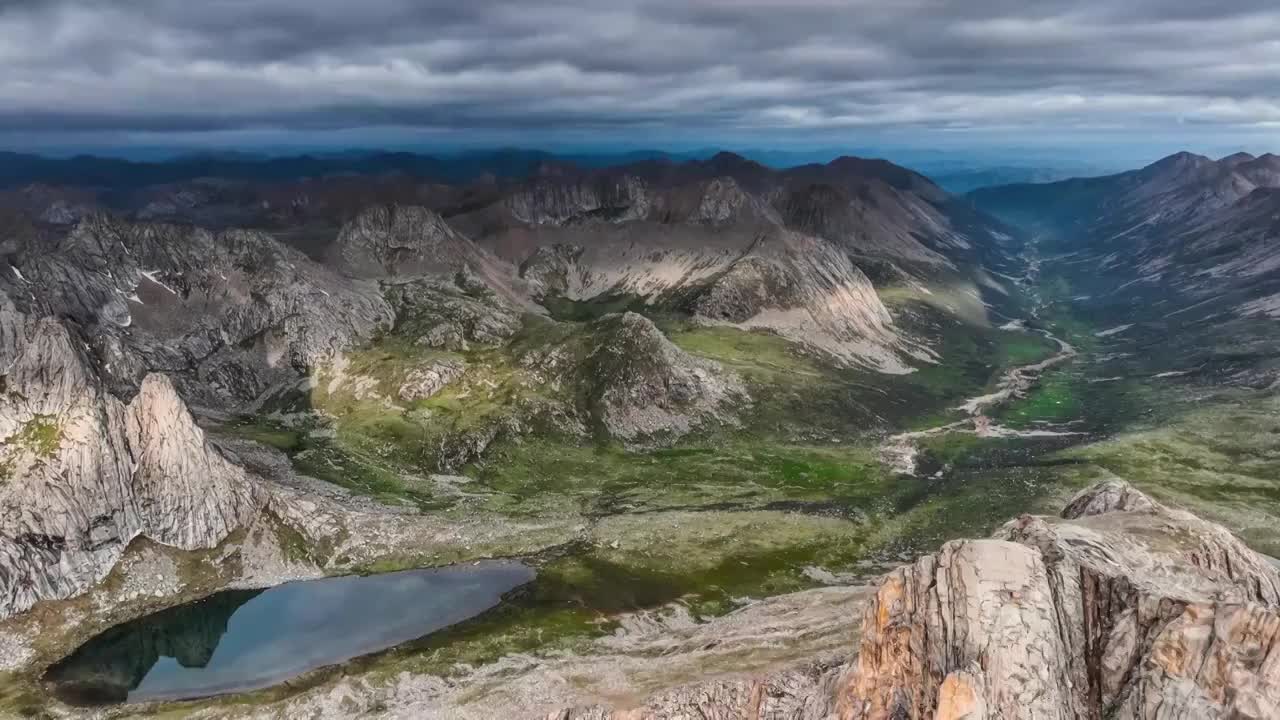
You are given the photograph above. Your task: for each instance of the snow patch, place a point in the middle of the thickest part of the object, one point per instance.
(1113, 331)
(151, 275)
(1269, 306)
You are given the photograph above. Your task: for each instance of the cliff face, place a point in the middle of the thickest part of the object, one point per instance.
(641, 387)
(1121, 608)
(1108, 612)
(84, 472)
(407, 241)
(734, 242)
(228, 314)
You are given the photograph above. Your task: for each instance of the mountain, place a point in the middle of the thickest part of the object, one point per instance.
(741, 244)
(723, 409)
(1182, 188)
(1183, 249)
(114, 323)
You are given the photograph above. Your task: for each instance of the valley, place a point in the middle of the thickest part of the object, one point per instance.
(698, 401)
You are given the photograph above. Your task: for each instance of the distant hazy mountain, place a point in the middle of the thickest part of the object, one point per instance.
(955, 173)
(1188, 246)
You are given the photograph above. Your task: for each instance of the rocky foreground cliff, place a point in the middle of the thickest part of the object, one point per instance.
(1120, 608)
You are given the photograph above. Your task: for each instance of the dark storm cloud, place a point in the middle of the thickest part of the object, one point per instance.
(176, 65)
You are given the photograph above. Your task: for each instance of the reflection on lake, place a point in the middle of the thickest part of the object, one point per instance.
(237, 641)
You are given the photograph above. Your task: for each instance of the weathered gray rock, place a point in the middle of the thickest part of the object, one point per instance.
(1129, 610)
(423, 382)
(556, 201)
(444, 315)
(1106, 497)
(809, 292)
(396, 240)
(969, 630)
(228, 315)
(408, 241)
(1145, 613)
(749, 273)
(642, 388)
(85, 473)
(549, 270)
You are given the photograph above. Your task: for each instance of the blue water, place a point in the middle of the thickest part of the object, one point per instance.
(238, 641)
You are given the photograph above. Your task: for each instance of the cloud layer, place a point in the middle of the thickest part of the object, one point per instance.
(611, 66)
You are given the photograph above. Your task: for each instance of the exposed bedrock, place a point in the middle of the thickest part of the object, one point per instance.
(84, 473)
(1122, 608)
(227, 314)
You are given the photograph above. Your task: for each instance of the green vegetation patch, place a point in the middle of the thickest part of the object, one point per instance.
(757, 354)
(265, 432)
(1055, 399)
(566, 310)
(1023, 348)
(535, 475)
(1222, 461)
(41, 436)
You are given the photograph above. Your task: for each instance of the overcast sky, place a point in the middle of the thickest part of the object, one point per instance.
(763, 71)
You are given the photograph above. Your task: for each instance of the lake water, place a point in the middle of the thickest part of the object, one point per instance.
(237, 641)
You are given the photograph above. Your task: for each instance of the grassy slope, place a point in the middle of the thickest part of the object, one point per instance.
(723, 514)
(734, 513)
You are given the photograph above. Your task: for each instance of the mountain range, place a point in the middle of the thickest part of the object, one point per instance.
(709, 400)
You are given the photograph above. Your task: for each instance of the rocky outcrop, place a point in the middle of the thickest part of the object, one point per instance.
(874, 221)
(1124, 609)
(549, 270)
(85, 473)
(642, 388)
(423, 382)
(399, 240)
(803, 288)
(403, 242)
(228, 315)
(1107, 497)
(557, 201)
(452, 315)
(809, 292)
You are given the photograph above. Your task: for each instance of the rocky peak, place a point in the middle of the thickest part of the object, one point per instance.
(395, 240)
(731, 164)
(558, 201)
(86, 473)
(1129, 609)
(1262, 172)
(894, 175)
(1179, 167)
(1236, 159)
(643, 389)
